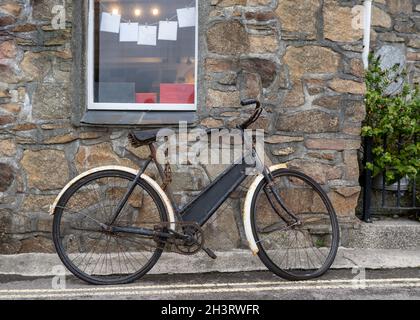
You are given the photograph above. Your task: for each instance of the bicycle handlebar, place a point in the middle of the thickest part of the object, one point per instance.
(255, 115)
(247, 102)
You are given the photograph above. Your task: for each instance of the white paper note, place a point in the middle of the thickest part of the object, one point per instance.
(186, 17)
(147, 35)
(168, 30)
(110, 22)
(129, 32)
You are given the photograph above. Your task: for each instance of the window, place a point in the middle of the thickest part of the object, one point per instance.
(142, 55)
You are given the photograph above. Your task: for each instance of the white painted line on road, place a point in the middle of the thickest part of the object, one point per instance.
(209, 288)
(206, 291)
(202, 285)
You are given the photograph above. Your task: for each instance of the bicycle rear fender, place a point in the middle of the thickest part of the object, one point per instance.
(247, 208)
(146, 178)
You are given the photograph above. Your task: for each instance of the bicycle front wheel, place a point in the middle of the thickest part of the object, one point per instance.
(98, 256)
(294, 251)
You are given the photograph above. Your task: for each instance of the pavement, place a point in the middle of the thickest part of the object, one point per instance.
(395, 284)
(42, 264)
(387, 233)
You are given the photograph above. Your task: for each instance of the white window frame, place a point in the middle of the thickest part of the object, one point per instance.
(131, 106)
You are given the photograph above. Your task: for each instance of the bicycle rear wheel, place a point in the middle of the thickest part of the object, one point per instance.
(295, 251)
(98, 256)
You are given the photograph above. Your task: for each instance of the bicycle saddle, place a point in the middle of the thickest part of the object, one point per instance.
(142, 138)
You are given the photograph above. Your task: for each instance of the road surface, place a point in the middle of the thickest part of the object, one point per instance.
(336, 284)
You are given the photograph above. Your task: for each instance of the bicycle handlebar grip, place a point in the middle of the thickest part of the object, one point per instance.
(247, 102)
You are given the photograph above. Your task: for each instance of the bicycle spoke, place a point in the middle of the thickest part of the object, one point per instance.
(118, 253)
(295, 252)
(125, 257)
(93, 249)
(137, 243)
(128, 259)
(287, 252)
(78, 212)
(307, 255)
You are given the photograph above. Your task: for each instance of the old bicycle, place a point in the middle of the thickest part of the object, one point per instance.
(111, 224)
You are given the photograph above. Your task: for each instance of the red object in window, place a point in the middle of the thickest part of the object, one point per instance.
(146, 97)
(176, 93)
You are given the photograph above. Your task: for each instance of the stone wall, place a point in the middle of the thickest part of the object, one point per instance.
(398, 37)
(301, 57)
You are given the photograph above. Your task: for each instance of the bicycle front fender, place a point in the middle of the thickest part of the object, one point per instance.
(247, 208)
(146, 178)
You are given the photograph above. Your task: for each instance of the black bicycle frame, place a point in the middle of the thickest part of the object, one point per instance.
(202, 207)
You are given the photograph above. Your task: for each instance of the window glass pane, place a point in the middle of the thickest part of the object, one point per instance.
(144, 52)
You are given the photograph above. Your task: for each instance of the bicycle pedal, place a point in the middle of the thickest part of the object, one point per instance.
(210, 253)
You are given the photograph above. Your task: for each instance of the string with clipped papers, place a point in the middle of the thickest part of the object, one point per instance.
(172, 18)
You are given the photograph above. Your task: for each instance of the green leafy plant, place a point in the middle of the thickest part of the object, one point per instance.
(394, 119)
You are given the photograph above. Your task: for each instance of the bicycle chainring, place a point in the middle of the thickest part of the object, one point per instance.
(189, 246)
(194, 243)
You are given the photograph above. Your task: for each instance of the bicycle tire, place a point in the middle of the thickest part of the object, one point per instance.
(57, 235)
(335, 233)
